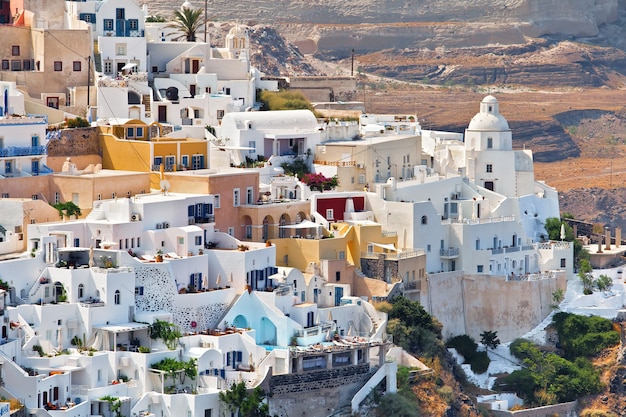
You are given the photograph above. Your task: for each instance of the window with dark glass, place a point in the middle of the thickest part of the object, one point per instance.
(76, 65)
(15, 50)
(58, 66)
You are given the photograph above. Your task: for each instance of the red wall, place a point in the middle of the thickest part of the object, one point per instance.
(338, 205)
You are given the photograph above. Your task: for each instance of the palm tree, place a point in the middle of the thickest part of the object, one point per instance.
(187, 21)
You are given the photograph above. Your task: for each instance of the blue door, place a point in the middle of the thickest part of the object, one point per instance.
(338, 295)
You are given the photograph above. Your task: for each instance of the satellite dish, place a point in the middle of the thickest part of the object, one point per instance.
(165, 186)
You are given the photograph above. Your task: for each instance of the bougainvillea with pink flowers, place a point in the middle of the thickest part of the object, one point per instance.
(318, 182)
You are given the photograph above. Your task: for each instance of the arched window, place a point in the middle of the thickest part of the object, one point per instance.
(424, 220)
(117, 296)
(81, 290)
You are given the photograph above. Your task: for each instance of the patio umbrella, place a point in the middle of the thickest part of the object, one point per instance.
(6, 102)
(205, 281)
(218, 281)
(92, 262)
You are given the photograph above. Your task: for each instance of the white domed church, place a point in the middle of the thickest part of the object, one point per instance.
(489, 157)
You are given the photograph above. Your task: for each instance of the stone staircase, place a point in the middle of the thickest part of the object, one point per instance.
(147, 102)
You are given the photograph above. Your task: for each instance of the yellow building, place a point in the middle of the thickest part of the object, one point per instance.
(363, 245)
(133, 145)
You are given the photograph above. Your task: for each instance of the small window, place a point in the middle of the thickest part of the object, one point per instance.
(427, 248)
(563, 263)
(120, 49)
(198, 240)
(76, 65)
(15, 50)
(58, 66)
(117, 297)
(479, 268)
(330, 214)
(216, 199)
(236, 201)
(489, 168)
(155, 69)
(489, 143)
(108, 24)
(424, 220)
(139, 290)
(5, 64)
(337, 276)
(220, 114)
(16, 65)
(81, 291)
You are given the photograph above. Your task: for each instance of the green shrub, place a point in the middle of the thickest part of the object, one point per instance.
(464, 345)
(284, 100)
(480, 362)
(584, 336)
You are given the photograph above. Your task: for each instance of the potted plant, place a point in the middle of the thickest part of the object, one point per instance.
(158, 256)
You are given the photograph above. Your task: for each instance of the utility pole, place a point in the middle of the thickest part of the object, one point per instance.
(205, 17)
(352, 65)
(88, 82)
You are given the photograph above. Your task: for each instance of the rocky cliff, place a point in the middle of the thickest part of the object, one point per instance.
(369, 25)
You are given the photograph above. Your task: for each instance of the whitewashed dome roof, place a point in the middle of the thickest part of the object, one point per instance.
(489, 117)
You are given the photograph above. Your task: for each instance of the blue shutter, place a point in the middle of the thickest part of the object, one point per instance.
(239, 356)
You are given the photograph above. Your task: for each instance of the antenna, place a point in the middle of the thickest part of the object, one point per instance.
(165, 186)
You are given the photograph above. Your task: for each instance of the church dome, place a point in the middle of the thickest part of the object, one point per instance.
(489, 117)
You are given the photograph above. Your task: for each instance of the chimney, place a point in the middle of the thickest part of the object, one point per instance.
(607, 232)
(618, 236)
(575, 229)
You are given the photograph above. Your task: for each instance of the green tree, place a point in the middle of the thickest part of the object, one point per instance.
(553, 227)
(186, 23)
(244, 403)
(557, 298)
(604, 282)
(67, 209)
(413, 328)
(490, 339)
(584, 273)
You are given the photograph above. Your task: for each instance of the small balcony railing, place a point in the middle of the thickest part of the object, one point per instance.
(22, 151)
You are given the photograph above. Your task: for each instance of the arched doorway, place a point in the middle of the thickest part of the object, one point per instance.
(59, 292)
(240, 322)
(284, 221)
(268, 225)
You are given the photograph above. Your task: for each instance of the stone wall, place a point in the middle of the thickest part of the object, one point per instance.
(316, 393)
(315, 380)
(562, 410)
(75, 142)
(326, 89)
(471, 304)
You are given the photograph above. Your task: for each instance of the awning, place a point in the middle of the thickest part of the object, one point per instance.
(306, 224)
(123, 327)
(388, 246)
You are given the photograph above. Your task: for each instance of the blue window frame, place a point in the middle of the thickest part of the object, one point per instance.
(108, 24)
(88, 17)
